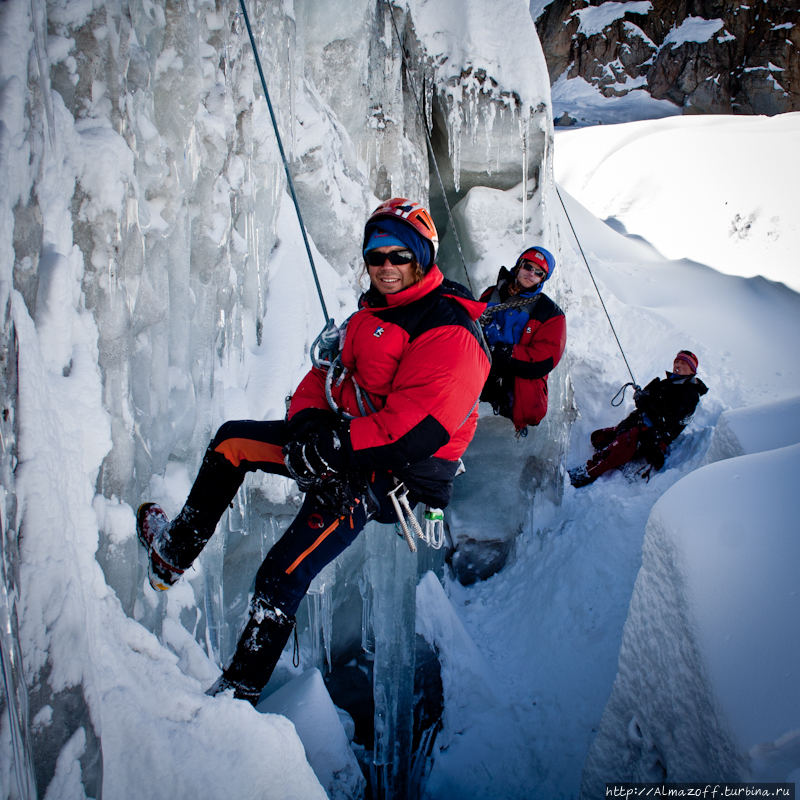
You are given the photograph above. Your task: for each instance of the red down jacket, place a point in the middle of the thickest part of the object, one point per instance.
(418, 357)
(522, 380)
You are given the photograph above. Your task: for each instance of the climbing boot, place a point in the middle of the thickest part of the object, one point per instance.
(260, 646)
(579, 476)
(213, 490)
(151, 527)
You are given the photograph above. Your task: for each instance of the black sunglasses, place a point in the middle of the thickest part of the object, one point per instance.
(537, 271)
(397, 257)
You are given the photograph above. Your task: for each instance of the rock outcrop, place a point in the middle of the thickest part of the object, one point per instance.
(705, 56)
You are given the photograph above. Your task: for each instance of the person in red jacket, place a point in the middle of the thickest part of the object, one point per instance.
(527, 333)
(400, 406)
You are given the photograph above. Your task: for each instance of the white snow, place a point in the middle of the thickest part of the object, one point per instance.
(740, 224)
(714, 614)
(693, 29)
(306, 703)
(594, 19)
(480, 38)
(587, 105)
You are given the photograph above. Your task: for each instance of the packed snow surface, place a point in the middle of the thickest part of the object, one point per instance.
(714, 615)
(743, 222)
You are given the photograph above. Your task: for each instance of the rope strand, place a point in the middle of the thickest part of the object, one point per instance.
(285, 162)
(597, 289)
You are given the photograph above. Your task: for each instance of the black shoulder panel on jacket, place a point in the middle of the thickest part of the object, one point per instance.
(545, 309)
(434, 310)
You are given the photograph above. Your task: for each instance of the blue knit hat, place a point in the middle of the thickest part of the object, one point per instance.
(379, 238)
(404, 236)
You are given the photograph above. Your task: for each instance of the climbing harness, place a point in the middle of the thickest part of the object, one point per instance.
(597, 289)
(283, 158)
(424, 121)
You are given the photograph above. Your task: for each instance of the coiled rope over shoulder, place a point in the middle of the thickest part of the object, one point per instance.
(514, 302)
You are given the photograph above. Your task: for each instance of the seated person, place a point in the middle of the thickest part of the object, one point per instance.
(663, 409)
(526, 333)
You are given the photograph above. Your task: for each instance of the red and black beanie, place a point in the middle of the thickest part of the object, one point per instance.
(689, 357)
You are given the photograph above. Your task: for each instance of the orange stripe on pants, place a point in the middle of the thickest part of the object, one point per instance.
(320, 539)
(238, 450)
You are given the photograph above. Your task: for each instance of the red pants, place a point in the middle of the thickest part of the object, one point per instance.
(615, 449)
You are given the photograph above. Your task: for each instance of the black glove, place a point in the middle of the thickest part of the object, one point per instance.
(316, 461)
(652, 448)
(639, 393)
(340, 495)
(501, 354)
(304, 424)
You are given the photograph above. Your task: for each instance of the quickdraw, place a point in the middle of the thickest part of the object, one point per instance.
(326, 354)
(405, 515)
(433, 535)
(434, 527)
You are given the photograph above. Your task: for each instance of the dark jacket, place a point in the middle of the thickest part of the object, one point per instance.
(668, 403)
(663, 410)
(419, 360)
(527, 343)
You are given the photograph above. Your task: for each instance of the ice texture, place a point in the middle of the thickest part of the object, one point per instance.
(306, 703)
(162, 287)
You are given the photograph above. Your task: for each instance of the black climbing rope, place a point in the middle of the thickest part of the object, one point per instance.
(597, 289)
(285, 162)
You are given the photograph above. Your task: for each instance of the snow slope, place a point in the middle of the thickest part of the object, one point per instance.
(743, 222)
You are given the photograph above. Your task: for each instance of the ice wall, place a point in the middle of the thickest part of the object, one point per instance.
(159, 275)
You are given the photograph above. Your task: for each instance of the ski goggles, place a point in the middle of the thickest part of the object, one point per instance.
(537, 271)
(397, 257)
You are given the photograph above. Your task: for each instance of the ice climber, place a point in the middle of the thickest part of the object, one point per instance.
(663, 409)
(402, 407)
(526, 332)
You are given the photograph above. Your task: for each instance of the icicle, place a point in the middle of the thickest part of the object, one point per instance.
(524, 127)
(39, 20)
(320, 614)
(393, 575)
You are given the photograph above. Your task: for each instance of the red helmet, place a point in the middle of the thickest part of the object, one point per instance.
(413, 214)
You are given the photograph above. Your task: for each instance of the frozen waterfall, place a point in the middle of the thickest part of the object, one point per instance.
(154, 284)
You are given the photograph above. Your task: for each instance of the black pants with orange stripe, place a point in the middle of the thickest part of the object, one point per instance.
(315, 537)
